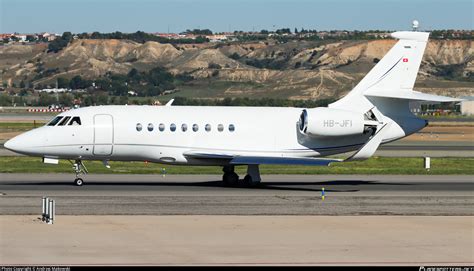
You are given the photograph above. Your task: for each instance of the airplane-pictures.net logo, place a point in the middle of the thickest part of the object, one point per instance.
(447, 268)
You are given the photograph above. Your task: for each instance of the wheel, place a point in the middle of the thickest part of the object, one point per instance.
(248, 180)
(78, 182)
(230, 178)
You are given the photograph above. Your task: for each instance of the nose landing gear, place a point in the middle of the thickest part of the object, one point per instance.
(80, 169)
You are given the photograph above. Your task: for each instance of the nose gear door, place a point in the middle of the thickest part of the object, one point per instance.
(103, 135)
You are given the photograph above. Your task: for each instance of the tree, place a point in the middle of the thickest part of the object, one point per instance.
(133, 75)
(235, 56)
(201, 39)
(214, 66)
(66, 99)
(23, 92)
(59, 43)
(67, 36)
(78, 83)
(283, 31)
(199, 31)
(123, 100)
(96, 35)
(101, 98)
(46, 99)
(30, 38)
(296, 30)
(22, 84)
(5, 100)
(63, 82)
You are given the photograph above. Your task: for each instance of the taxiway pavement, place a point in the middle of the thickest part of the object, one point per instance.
(448, 195)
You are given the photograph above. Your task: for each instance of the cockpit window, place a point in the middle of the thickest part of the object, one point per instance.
(55, 121)
(75, 121)
(64, 121)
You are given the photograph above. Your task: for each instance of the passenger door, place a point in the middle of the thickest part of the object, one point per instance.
(103, 135)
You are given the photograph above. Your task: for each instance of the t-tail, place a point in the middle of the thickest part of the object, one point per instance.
(383, 95)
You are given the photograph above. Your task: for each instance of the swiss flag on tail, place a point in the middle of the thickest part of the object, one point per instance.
(405, 59)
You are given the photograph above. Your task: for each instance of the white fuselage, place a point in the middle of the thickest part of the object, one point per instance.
(110, 133)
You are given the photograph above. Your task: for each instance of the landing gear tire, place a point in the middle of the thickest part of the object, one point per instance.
(230, 178)
(247, 180)
(79, 169)
(78, 182)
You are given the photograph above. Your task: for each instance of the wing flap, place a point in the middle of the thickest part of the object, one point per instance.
(207, 155)
(256, 160)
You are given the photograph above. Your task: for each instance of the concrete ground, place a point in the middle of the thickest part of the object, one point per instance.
(237, 240)
(21, 194)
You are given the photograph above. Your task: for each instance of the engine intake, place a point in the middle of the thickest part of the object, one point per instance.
(326, 122)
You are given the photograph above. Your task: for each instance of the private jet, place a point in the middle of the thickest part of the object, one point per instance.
(374, 112)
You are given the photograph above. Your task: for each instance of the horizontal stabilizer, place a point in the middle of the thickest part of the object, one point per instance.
(256, 160)
(411, 35)
(410, 95)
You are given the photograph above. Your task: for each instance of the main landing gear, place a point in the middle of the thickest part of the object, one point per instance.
(79, 169)
(231, 178)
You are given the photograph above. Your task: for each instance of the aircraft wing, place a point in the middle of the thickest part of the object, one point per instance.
(257, 160)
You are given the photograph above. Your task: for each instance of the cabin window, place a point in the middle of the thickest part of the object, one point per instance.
(161, 127)
(64, 121)
(173, 127)
(208, 127)
(184, 127)
(195, 127)
(150, 127)
(139, 127)
(55, 121)
(231, 127)
(75, 121)
(220, 127)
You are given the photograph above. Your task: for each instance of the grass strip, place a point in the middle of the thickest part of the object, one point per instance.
(375, 165)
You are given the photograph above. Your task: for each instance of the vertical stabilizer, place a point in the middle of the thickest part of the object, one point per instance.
(396, 71)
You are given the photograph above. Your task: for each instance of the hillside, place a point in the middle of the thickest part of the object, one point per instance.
(303, 70)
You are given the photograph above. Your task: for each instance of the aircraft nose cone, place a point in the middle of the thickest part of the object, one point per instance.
(10, 144)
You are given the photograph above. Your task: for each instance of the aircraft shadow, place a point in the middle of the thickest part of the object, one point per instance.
(284, 186)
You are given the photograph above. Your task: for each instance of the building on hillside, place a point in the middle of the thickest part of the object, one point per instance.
(217, 38)
(21, 37)
(5, 36)
(173, 36)
(54, 90)
(467, 105)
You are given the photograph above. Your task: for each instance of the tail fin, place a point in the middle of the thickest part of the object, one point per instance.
(393, 77)
(399, 67)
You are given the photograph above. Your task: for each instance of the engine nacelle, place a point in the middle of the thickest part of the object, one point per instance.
(323, 121)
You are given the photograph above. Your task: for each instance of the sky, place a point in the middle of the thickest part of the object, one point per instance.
(77, 16)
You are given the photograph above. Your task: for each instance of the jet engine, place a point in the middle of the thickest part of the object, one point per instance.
(328, 122)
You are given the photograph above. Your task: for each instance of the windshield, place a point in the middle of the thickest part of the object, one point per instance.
(55, 121)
